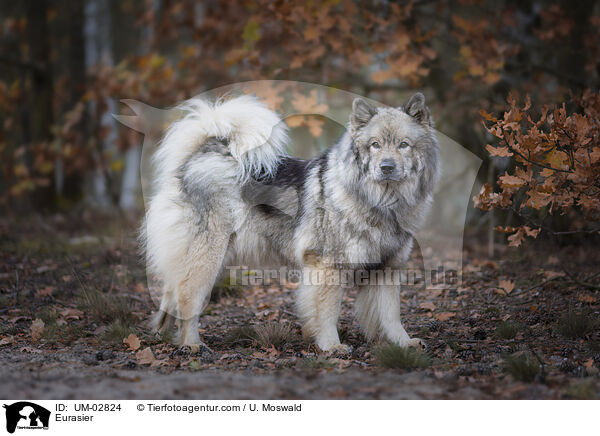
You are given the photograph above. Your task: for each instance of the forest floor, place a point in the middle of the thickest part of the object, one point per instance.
(521, 325)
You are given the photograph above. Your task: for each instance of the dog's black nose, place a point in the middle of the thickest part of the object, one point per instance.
(387, 166)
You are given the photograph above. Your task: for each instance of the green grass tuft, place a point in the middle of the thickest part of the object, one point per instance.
(581, 390)
(47, 314)
(394, 356)
(243, 336)
(507, 330)
(577, 325)
(225, 289)
(522, 367)
(117, 331)
(273, 334)
(104, 307)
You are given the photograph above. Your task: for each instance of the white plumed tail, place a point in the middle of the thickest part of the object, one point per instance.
(256, 136)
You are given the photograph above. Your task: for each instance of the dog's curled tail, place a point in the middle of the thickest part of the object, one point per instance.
(255, 135)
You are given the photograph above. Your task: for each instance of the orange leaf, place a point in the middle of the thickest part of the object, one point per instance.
(132, 342)
(444, 316)
(516, 239)
(498, 151)
(508, 181)
(37, 328)
(586, 298)
(45, 291)
(428, 305)
(71, 313)
(146, 357)
(506, 286)
(487, 116)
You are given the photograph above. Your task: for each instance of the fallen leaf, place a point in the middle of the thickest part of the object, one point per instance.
(444, 316)
(553, 274)
(486, 263)
(100, 330)
(8, 341)
(586, 298)
(139, 288)
(145, 356)
(69, 313)
(507, 286)
(588, 363)
(132, 342)
(45, 291)
(37, 328)
(428, 305)
(45, 268)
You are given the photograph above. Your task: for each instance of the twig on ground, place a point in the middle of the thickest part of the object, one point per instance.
(580, 282)
(537, 285)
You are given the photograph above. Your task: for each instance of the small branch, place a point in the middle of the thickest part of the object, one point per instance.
(523, 291)
(539, 164)
(572, 232)
(580, 282)
(549, 230)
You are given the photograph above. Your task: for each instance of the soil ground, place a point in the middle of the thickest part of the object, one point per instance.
(523, 324)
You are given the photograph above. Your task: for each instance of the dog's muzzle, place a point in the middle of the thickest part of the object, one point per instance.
(388, 171)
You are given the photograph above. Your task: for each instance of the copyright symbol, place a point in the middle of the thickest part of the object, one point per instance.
(140, 407)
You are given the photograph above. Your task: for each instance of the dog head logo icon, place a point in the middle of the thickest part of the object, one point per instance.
(26, 415)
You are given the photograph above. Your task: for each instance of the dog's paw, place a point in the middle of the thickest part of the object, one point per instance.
(417, 343)
(193, 349)
(340, 350)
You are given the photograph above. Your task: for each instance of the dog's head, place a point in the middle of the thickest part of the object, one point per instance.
(395, 145)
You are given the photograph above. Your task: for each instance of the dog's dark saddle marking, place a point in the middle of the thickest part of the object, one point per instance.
(216, 145)
(291, 172)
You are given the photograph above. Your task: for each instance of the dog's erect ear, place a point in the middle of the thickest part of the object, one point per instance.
(416, 108)
(362, 112)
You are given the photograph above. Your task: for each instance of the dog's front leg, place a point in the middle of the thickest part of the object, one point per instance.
(318, 305)
(378, 312)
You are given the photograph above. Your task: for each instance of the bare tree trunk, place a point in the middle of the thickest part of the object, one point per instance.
(72, 185)
(97, 49)
(131, 179)
(40, 92)
(130, 186)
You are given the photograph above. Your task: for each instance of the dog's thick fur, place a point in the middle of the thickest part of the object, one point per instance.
(226, 194)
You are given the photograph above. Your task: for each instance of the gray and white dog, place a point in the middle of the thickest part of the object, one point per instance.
(227, 194)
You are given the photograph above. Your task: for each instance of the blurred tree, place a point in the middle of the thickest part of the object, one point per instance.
(466, 55)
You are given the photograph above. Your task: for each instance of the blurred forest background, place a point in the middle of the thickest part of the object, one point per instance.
(514, 81)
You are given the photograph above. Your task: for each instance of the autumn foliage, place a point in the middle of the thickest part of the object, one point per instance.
(556, 167)
(59, 85)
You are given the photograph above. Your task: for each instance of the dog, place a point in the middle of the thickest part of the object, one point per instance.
(226, 193)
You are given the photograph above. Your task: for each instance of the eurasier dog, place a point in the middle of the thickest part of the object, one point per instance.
(227, 194)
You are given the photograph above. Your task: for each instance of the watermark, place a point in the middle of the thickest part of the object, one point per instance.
(25, 415)
(315, 116)
(343, 277)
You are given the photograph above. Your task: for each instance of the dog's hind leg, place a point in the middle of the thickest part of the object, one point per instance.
(377, 310)
(202, 266)
(164, 319)
(318, 305)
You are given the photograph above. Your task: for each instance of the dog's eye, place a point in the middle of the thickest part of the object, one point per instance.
(375, 145)
(403, 144)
